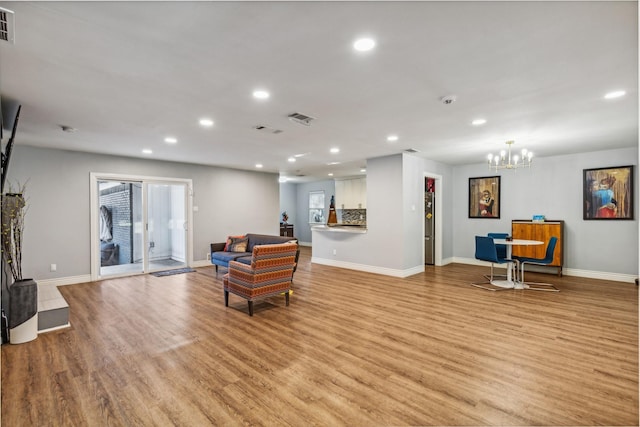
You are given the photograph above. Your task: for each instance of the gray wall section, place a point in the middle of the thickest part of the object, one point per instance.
(553, 187)
(57, 225)
(236, 202)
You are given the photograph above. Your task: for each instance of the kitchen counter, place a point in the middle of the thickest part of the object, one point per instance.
(341, 228)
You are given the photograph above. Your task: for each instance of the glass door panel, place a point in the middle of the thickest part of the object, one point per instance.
(120, 238)
(166, 219)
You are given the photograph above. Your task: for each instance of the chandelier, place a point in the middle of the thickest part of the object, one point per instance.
(507, 161)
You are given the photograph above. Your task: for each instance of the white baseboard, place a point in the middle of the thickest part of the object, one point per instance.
(369, 268)
(304, 243)
(600, 275)
(589, 274)
(201, 263)
(61, 281)
(55, 328)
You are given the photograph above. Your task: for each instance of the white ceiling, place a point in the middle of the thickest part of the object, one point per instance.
(128, 74)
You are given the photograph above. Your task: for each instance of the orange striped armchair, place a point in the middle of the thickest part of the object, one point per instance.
(270, 273)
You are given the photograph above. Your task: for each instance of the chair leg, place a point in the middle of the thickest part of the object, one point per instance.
(531, 284)
(216, 268)
(250, 307)
(286, 298)
(226, 298)
(490, 279)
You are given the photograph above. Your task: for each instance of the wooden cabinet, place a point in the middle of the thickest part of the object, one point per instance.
(543, 231)
(286, 229)
(351, 193)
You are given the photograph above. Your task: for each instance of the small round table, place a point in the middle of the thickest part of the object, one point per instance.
(510, 283)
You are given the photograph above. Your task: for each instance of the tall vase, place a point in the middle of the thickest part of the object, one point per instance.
(23, 311)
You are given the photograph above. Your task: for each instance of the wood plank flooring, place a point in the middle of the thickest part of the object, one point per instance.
(353, 348)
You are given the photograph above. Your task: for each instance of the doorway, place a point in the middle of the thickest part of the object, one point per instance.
(432, 225)
(139, 225)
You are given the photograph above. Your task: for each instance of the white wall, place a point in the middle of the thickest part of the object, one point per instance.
(57, 226)
(553, 187)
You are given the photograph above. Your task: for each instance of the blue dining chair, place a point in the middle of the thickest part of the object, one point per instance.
(500, 249)
(548, 259)
(486, 251)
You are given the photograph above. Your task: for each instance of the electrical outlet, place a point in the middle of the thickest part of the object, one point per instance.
(208, 256)
(335, 252)
(54, 267)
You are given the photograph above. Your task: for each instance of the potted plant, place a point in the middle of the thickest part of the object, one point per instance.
(23, 293)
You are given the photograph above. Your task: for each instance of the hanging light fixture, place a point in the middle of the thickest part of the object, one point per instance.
(505, 160)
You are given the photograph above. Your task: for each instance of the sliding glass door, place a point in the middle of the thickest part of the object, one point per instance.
(120, 236)
(139, 226)
(167, 231)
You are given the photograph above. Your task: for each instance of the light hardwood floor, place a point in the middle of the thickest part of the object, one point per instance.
(352, 349)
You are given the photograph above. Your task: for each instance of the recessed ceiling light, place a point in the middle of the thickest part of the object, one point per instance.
(260, 94)
(147, 151)
(300, 155)
(206, 123)
(335, 150)
(291, 159)
(330, 174)
(392, 138)
(364, 44)
(282, 179)
(478, 122)
(333, 163)
(363, 170)
(259, 165)
(615, 94)
(170, 140)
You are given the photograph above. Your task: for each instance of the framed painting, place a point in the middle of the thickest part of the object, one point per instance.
(608, 193)
(484, 197)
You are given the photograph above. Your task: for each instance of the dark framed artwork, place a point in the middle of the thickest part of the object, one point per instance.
(484, 197)
(608, 193)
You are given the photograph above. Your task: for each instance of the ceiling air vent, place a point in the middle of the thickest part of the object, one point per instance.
(300, 118)
(411, 150)
(267, 129)
(7, 32)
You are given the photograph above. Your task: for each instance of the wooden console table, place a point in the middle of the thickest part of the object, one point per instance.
(530, 230)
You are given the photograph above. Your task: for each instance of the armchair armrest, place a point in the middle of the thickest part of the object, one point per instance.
(217, 247)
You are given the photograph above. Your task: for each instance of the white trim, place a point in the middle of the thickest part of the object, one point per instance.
(589, 274)
(62, 281)
(369, 268)
(55, 328)
(304, 243)
(201, 263)
(144, 180)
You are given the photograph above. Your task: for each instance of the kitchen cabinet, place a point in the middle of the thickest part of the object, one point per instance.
(351, 193)
(543, 231)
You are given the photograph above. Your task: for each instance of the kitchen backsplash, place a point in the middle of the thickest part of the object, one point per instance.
(352, 216)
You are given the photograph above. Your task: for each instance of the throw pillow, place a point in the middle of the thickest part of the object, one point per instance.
(227, 246)
(239, 244)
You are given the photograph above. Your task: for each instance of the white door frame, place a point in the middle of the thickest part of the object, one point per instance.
(439, 218)
(94, 177)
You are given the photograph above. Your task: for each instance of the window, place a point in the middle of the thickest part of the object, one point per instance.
(316, 207)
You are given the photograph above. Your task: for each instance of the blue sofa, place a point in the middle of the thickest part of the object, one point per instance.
(221, 258)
